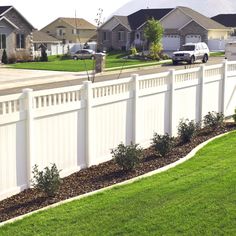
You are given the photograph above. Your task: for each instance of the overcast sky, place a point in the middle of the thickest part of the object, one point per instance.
(42, 12)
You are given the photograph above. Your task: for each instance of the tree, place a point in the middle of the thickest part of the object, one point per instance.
(4, 57)
(153, 32)
(44, 56)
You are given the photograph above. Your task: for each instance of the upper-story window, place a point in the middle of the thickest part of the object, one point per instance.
(121, 35)
(20, 41)
(2, 41)
(61, 31)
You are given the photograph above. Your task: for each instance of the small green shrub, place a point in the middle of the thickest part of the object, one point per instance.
(163, 143)
(213, 120)
(133, 51)
(4, 57)
(128, 156)
(187, 130)
(48, 180)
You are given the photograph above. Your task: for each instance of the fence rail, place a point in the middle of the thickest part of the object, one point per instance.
(77, 126)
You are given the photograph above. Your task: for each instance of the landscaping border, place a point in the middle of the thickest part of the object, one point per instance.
(151, 173)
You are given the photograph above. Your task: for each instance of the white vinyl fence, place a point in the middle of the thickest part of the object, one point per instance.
(76, 127)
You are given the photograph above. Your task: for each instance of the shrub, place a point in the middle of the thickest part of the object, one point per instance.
(234, 115)
(48, 180)
(163, 143)
(187, 129)
(128, 156)
(4, 57)
(44, 56)
(133, 51)
(213, 120)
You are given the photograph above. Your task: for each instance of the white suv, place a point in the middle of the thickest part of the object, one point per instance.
(191, 52)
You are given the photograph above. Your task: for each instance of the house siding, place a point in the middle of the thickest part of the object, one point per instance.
(69, 37)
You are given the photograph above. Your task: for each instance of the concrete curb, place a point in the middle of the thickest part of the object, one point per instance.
(162, 169)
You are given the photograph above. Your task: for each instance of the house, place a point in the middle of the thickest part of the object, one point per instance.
(45, 41)
(228, 20)
(181, 25)
(15, 34)
(71, 30)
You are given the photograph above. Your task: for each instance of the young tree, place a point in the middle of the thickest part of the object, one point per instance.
(153, 32)
(4, 57)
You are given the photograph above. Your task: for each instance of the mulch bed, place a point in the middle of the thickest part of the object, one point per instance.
(100, 176)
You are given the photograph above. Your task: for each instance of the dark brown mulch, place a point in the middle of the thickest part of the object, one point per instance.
(99, 176)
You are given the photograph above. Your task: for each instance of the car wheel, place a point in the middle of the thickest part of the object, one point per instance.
(92, 57)
(75, 58)
(192, 59)
(175, 62)
(205, 59)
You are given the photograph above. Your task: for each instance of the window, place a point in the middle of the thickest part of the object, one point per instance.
(104, 36)
(20, 41)
(2, 41)
(121, 35)
(60, 32)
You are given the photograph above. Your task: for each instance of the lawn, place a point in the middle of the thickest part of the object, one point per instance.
(113, 60)
(195, 198)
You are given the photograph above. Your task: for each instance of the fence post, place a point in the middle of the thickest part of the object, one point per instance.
(88, 129)
(224, 78)
(172, 99)
(28, 95)
(136, 108)
(201, 97)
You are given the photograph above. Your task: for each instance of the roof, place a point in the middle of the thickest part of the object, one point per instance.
(228, 20)
(4, 8)
(202, 20)
(140, 17)
(78, 23)
(41, 37)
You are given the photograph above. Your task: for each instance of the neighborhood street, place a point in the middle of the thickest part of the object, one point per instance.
(13, 80)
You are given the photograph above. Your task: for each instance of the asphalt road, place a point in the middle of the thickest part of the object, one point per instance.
(108, 76)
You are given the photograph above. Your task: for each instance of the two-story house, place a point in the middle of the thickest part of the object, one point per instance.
(15, 34)
(71, 30)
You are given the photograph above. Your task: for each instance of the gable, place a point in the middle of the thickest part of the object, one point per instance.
(17, 19)
(175, 20)
(110, 24)
(5, 23)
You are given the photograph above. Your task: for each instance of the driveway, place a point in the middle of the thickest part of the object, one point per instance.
(14, 80)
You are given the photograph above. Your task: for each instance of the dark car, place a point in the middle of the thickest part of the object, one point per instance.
(83, 54)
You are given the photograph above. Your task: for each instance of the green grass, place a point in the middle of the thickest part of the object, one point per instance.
(217, 54)
(113, 60)
(197, 197)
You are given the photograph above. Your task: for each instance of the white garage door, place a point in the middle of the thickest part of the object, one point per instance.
(171, 42)
(193, 39)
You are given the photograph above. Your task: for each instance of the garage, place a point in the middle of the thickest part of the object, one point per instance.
(193, 38)
(171, 42)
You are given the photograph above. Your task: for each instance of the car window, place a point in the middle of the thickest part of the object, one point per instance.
(187, 47)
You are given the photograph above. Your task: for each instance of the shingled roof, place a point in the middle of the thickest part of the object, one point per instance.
(41, 37)
(78, 23)
(4, 9)
(202, 20)
(228, 20)
(140, 17)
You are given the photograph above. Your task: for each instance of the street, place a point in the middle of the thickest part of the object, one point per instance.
(13, 80)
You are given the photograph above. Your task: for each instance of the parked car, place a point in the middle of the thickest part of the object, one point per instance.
(83, 54)
(191, 52)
